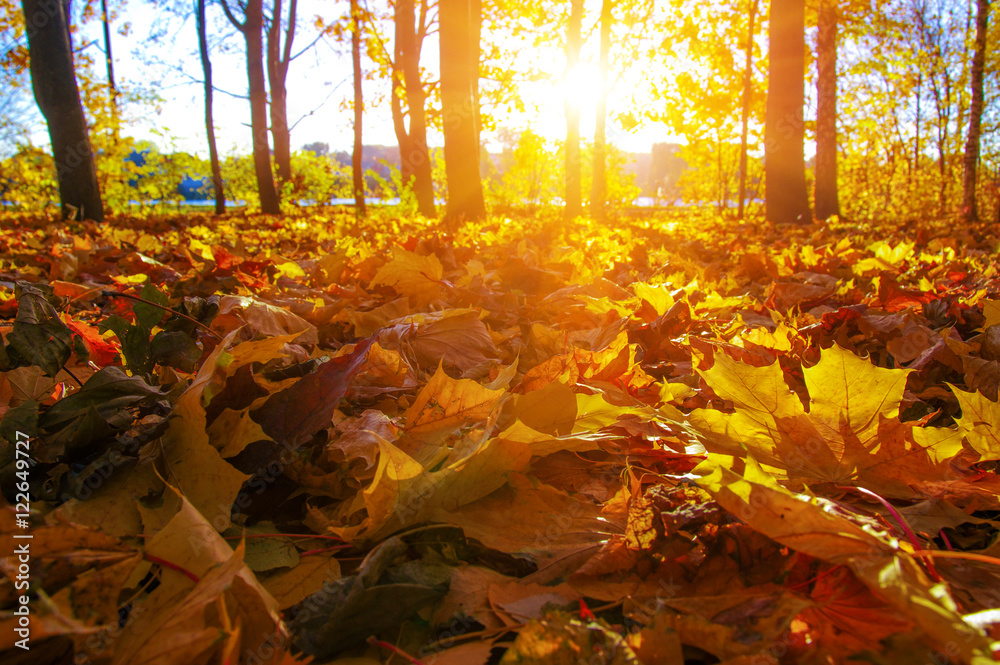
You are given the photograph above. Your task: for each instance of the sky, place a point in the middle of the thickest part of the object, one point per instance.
(159, 51)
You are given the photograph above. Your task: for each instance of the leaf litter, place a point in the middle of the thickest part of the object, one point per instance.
(528, 442)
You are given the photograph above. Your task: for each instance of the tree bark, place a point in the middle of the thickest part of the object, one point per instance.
(747, 98)
(574, 187)
(599, 182)
(460, 24)
(414, 158)
(110, 66)
(53, 80)
(252, 28)
(360, 209)
(827, 201)
(278, 59)
(206, 68)
(787, 199)
(969, 208)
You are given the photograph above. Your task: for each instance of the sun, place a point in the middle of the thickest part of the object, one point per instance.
(580, 87)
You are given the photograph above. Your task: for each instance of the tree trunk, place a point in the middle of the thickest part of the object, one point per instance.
(360, 209)
(213, 151)
(787, 198)
(460, 23)
(54, 82)
(278, 59)
(252, 28)
(574, 187)
(110, 66)
(396, 95)
(599, 182)
(969, 209)
(827, 203)
(413, 154)
(747, 98)
(916, 139)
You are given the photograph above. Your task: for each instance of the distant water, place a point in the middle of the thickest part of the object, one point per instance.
(641, 202)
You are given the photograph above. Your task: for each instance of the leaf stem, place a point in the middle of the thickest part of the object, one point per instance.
(816, 578)
(325, 549)
(970, 556)
(912, 537)
(78, 382)
(396, 650)
(305, 536)
(172, 566)
(120, 294)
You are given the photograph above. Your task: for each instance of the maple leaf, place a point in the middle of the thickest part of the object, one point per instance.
(817, 527)
(39, 337)
(180, 620)
(403, 492)
(455, 337)
(293, 415)
(101, 351)
(444, 404)
(410, 274)
(980, 423)
(838, 437)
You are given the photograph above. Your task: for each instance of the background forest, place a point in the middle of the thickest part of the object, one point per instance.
(886, 110)
(474, 332)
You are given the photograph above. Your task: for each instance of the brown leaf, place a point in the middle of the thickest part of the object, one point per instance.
(294, 415)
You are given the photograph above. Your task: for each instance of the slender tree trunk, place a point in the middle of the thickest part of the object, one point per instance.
(396, 96)
(110, 65)
(54, 82)
(969, 208)
(252, 28)
(269, 202)
(574, 187)
(399, 126)
(747, 99)
(413, 154)
(278, 59)
(359, 179)
(916, 143)
(784, 127)
(206, 68)
(599, 182)
(460, 22)
(827, 203)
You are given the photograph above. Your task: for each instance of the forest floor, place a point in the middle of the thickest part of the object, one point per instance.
(680, 440)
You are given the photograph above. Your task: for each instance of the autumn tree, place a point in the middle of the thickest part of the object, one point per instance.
(206, 68)
(745, 104)
(460, 26)
(969, 209)
(279, 57)
(109, 64)
(943, 50)
(717, 111)
(358, 178)
(54, 82)
(826, 199)
(415, 163)
(573, 186)
(252, 28)
(599, 185)
(787, 199)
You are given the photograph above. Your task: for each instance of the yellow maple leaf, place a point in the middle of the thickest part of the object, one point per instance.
(831, 442)
(410, 274)
(980, 422)
(446, 403)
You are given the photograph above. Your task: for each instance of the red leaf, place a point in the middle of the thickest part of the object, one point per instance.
(102, 352)
(293, 415)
